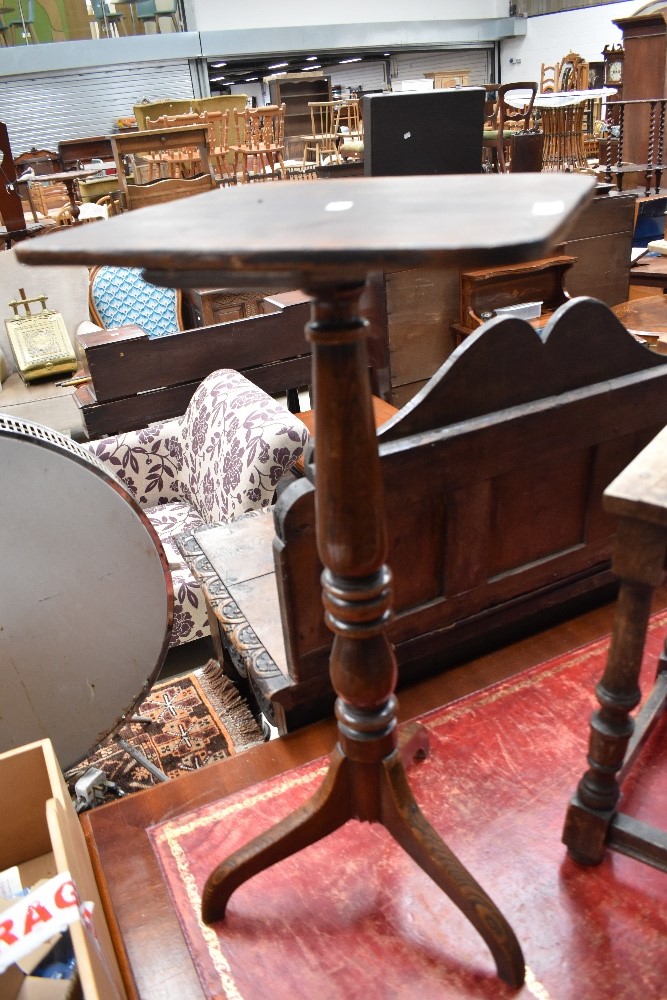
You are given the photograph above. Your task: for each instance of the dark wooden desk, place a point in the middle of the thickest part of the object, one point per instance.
(152, 952)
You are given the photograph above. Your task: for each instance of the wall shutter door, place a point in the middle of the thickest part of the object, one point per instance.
(72, 105)
(413, 65)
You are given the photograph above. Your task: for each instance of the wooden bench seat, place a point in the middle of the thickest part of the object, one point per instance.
(493, 478)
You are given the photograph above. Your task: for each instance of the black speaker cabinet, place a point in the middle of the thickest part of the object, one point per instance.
(432, 132)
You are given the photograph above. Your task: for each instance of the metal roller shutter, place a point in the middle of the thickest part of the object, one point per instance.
(367, 75)
(42, 111)
(413, 65)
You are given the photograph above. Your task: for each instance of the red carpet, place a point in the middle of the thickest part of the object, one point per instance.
(353, 918)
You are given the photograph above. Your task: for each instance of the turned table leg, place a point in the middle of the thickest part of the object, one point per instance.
(639, 559)
(366, 779)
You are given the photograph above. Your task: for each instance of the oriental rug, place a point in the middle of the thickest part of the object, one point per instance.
(188, 721)
(353, 918)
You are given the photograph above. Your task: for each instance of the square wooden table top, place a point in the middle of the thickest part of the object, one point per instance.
(294, 234)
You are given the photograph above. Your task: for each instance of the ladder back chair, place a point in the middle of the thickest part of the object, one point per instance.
(218, 141)
(325, 137)
(512, 113)
(549, 77)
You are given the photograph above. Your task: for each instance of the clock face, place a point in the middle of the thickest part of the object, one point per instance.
(615, 72)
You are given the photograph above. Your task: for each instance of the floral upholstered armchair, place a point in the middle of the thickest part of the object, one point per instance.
(222, 458)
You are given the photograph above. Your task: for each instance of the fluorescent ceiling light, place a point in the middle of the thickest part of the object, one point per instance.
(217, 65)
(356, 59)
(215, 79)
(307, 69)
(311, 58)
(251, 79)
(278, 65)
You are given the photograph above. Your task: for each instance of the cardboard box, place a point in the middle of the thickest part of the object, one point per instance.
(41, 834)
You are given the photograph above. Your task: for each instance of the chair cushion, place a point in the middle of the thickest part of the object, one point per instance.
(492, 134)
(120, 296)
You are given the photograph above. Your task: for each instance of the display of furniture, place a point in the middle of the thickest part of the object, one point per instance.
(594, 821)
(261, 142)
(507, 118)
(351, 128)
(324, 239)
(222, 458)
(176, 150)
(295, 92)
(23, 25)
(109, 20)
(318, 244)
(615, 151)
(45, 200)
(321, 143)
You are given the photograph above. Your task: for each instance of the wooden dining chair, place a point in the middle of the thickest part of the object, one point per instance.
(219, 151)
(549, 73)
(507, 118)
(323, 141)
(572, 72)
(184, 162)
(262, 142)
(349, 120)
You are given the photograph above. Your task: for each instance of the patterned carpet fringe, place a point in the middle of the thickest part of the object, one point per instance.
(228, 705)
(185, 722)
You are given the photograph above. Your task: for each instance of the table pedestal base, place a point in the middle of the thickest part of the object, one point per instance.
(376, 792)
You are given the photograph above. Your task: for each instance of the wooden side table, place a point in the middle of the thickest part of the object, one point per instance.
(638, 496)
(325, 239)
